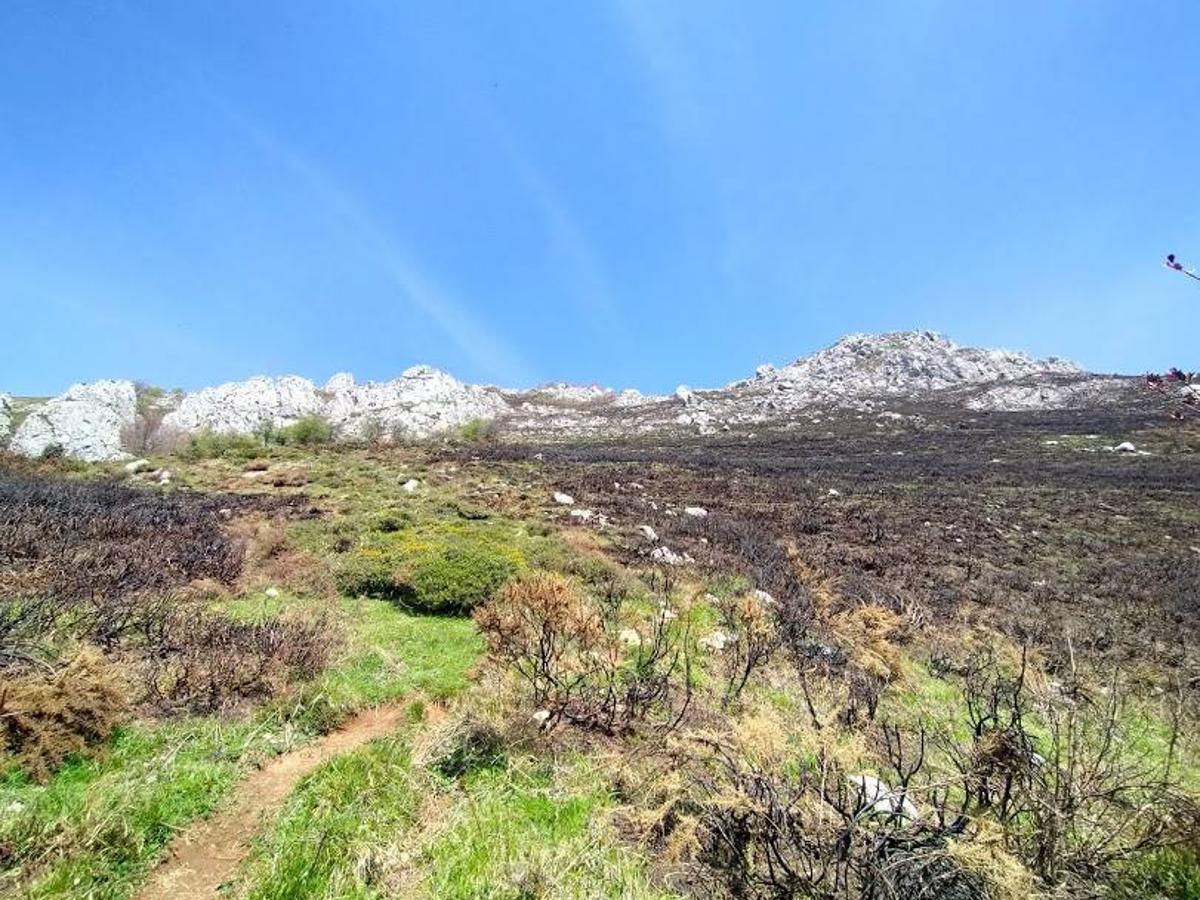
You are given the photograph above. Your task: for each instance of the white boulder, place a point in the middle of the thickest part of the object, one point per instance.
(629, 637)
(876, 796)
(410, 486)
(563, 499)
(696, 512)
(667, 556)
(648, 533)
(86, 422)
(715, 642)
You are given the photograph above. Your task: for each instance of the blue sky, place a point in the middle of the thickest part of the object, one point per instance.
(638, 193)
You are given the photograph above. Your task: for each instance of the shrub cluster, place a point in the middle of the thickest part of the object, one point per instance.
(445, 572)
(206, 662)
(596, 666)
(50, 713)
(308, 431)
(114, 567)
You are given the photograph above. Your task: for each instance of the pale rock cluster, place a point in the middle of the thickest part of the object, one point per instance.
(421, 402)
(860, 374)
(86, 422)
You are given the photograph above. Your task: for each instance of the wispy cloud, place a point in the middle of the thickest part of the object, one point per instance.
(669, 75)
(586, 271)
(486, 350)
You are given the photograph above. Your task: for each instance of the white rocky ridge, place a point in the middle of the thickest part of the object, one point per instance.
(85, 422)
(865, 373)
(242, 407)
(421, 402)
(904, 363)
(1048, 393)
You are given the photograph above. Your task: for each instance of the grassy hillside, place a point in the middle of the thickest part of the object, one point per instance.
(950, 658)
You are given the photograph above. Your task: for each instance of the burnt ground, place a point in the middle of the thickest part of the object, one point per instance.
(1022, 523)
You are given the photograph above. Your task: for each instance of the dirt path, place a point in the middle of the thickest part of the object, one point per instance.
(205, 856)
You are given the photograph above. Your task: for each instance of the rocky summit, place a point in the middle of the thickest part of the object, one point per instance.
(860, 372)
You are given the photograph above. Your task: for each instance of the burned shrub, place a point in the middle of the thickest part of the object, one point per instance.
(50, 713)
(578, 660)
(205, 662)
(130, 572)
(543, 629)
(763, 828)
(83, 540)
(753, 637)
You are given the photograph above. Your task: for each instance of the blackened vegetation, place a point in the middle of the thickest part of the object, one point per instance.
(872, 537)
(125, 571)
(99, 552)
(1020, 521)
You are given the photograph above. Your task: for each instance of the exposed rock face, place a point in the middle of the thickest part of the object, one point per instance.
(420, 402)
(85, 422)
(905, 363)
(241, 407)
(1049, 392)
(860, 373)
(5, 415)
(561, 392)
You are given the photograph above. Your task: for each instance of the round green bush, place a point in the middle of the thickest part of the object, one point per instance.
(460, 575)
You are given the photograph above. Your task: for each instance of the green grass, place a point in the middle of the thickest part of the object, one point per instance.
(354, 829)
(528, 830)
(1168, 874)
(332, 837)
(97, 826)
(392, 654)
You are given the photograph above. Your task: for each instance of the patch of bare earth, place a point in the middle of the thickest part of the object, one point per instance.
(205, 856)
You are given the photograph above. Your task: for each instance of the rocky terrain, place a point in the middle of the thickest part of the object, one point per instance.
(808, 654)
(868, 374)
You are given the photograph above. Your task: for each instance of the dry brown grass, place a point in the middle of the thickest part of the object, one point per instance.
(47, 715)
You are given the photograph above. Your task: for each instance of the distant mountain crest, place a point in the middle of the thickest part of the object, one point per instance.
(903, 362)
(860, 371)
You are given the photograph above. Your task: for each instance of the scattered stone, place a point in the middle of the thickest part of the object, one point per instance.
(272, 592)
(648, 533)
(715, 642)
(876, 796)
(541, 717)
(1125, 447)
(763, 597)
(582, 515)
(563, 499)
(136, 466)
(410, 486)
(696, 512)
(666, 555)
(834, 492)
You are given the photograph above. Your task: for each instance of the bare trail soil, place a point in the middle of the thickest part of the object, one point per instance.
(205, 856)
